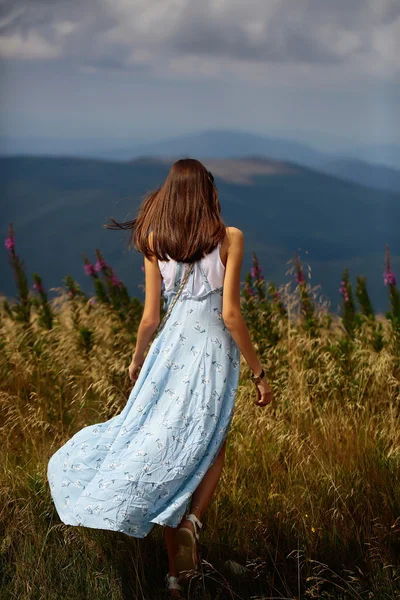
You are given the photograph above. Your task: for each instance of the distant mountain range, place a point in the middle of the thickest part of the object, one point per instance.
(374, 166)
(376, 176)
(58, 206)
(231, 144)
(382, 154)
(228, 144)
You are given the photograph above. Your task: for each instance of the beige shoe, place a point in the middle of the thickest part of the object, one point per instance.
(186, 557)
(173, 586)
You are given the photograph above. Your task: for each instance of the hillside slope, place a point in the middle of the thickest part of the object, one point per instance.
(58, 206)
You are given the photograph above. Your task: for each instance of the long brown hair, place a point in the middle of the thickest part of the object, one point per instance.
(184, 215)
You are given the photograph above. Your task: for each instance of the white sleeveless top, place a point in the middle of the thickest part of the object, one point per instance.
(211, 264)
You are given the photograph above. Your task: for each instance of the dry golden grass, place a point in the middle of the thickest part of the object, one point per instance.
(309, 498)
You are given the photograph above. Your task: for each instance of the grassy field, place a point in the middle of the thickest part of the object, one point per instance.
(308, 505)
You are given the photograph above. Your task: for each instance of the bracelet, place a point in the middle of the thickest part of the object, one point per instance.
(259, 377)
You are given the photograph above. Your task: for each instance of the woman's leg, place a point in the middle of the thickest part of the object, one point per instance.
(170, 533)
(203, 493)
(200, 500)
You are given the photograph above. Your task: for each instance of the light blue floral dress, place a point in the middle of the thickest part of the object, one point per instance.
(142, 466)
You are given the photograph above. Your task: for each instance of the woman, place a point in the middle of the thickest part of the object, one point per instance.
(165, 450)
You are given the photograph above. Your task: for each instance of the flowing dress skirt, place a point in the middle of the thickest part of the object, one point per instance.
(142, 466)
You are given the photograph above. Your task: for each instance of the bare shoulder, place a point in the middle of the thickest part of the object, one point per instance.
(235, 237)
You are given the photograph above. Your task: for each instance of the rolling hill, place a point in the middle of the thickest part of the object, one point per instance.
(58, 206)
(358, 171)
(225, 144)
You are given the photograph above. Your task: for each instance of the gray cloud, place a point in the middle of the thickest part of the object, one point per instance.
(277, 44)
(307, 31)
(73, 27)
(116, 34)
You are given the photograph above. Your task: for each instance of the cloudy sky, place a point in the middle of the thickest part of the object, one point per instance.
(326, 71)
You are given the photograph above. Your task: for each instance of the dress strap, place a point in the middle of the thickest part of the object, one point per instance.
(178, 275)
(207, 284)
(204, 277)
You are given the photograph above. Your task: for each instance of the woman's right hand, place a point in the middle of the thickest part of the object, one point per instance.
(264, 393)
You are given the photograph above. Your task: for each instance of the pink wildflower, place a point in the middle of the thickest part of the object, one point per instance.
(256, 272)
(10, 243)
(249, 290)
(100, 264)
(343, 290)
(389, 278)
(115, 281)
(89, 269)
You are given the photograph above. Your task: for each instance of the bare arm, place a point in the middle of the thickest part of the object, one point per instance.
(231, 309)
(151, 312)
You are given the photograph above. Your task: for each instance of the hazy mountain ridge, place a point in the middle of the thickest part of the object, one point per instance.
(212, 143)
(387, 155)
(358, 171)
(239, 170)
(230, 144)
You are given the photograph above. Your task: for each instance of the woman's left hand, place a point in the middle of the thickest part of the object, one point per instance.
(134, 367)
